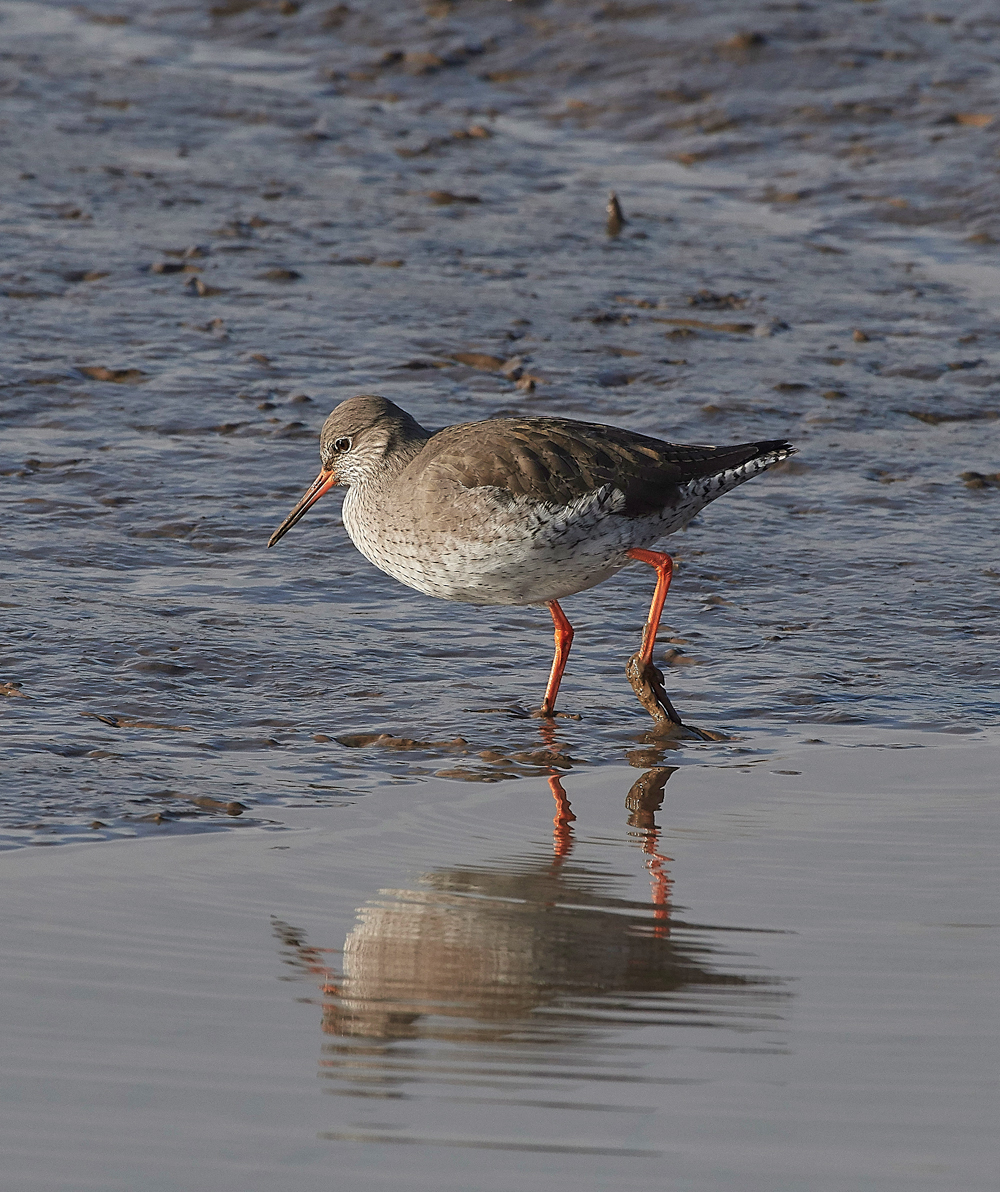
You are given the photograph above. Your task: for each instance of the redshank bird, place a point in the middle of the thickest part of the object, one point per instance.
(521, 510)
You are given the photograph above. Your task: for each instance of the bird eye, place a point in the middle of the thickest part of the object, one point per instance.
(342, 445)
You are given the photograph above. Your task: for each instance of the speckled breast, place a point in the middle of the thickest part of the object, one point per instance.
(481, 547)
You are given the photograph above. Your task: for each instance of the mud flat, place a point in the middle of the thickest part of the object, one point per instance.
(212, 240)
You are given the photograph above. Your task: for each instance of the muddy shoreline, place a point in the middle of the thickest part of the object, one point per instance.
(211, 241)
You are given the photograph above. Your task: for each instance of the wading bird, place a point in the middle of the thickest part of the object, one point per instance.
(521, 510)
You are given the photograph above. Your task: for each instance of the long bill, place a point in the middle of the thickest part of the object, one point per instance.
(323, 483)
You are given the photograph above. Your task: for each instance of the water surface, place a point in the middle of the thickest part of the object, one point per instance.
(221, 220)
(766, 976)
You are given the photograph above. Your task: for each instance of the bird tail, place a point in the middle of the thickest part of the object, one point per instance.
(729, 467)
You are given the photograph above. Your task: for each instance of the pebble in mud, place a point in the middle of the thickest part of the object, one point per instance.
(201, 289)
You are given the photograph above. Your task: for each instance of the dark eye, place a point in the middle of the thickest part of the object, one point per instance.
(342, 445)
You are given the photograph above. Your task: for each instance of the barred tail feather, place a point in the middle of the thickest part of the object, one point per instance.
(757, 458)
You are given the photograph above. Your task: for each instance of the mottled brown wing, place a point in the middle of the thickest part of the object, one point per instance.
(556, 461)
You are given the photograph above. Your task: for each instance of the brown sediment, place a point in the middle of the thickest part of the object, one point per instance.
(981, 479)
(480, 360)
(118, 376)
(133, 722)
(704, 325)
(936, 417)
(445, 198)
(387, 741)
(209, 804)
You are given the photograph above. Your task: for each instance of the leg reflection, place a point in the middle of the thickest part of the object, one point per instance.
(562, 833)
(472, 952)
(643, 801)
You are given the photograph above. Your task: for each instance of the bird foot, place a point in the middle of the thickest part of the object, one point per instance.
(542, 714)
(647, 683)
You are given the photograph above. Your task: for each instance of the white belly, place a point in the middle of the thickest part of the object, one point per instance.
(505, 553)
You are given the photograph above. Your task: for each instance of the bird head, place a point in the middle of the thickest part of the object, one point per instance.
(354, 445)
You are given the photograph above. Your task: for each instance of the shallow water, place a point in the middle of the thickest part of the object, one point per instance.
(215, 229)
(768, 976)
(162, 655)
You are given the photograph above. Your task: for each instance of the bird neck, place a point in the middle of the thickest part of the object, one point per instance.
(401, 450)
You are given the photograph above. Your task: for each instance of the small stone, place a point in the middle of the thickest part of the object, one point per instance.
(200, 290)
(766, 330)
(859, 336)
(445, 198)
(616, 219)
(744, 41)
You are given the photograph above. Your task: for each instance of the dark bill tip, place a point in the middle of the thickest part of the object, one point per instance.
(323, 483)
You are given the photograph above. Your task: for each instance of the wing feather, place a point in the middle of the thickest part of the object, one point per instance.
(555, 461)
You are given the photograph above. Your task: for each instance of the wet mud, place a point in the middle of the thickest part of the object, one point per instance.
(219, 221)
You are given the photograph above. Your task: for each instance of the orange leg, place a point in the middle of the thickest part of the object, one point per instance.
(664, 572)
(564, 639)
(646, 679)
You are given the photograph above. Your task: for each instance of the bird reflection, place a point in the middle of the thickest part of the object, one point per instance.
(519, 948)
